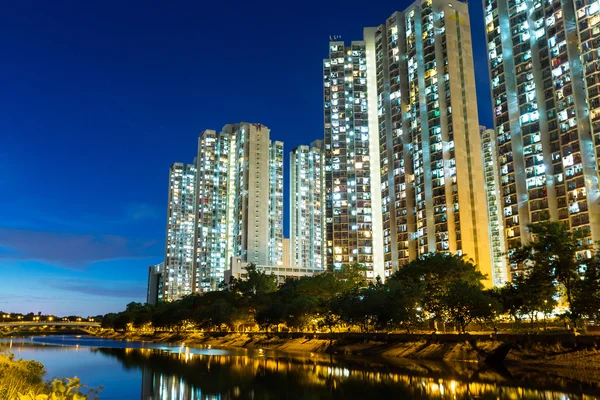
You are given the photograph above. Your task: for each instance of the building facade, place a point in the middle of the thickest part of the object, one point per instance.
(489, 152)
(349, 162)
(237, 270)
(276, 252)
(256, 195)
(307, 201)
(154, 293)
(402, 136)
(211, 255)
(542, 65)
(179, 251)
(239, 202)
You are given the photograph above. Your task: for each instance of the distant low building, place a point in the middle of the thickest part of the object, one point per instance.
(237, 269)
(155, 283)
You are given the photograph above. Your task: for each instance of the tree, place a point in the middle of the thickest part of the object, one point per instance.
(434, 273)
(511, 297)
(166, 315)
(350, 276)
(218, 309)
(257, 284)
(403, 304)
(122, 321)
(529, 295)
(108, 321)
(587, 291)
(466, 302)
(553, 252)
(323, 291)
(362, 307)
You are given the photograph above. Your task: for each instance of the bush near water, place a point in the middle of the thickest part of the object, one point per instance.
(23, 380)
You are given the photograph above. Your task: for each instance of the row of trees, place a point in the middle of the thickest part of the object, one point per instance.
(31, 317)
(442, 287)
(438, 287)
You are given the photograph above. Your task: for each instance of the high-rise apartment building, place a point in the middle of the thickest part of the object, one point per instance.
(276, 253)
(256, 195)
(543, 69)
(491, 173)
(350, 164)
(229, 204)
(179, 252)
(239, 201)
(307, 212)
(211, 251)
(401, 131)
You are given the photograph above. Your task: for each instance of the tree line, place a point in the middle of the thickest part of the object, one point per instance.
(437, 288)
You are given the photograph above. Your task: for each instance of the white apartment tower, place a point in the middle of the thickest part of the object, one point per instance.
(211, 256)
(239, 201)
(179, 251)
(430, 154)
(255, 195)
(307, 201)
(229, 204)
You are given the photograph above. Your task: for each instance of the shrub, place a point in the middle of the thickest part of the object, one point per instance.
(62, 389)
(23, 380)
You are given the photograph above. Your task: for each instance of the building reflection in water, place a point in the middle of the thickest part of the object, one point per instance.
(268, 375)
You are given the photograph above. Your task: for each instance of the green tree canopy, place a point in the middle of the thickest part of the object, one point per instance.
(434, 273)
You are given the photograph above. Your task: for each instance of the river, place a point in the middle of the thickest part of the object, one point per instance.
(149, 371)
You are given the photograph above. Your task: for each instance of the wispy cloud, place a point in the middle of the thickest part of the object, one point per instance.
(141, 212)
(99, 288)
(75, 251)
(36, 218)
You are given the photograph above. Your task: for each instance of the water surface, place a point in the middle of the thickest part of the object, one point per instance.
(148, 371)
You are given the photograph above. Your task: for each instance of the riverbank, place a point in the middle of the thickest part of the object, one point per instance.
(560, 350)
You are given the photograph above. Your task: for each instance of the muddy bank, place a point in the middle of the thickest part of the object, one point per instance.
(525, 350)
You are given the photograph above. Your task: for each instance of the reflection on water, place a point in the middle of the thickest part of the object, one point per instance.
(180, 372)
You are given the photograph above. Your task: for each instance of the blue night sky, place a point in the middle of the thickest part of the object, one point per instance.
(100, 98)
